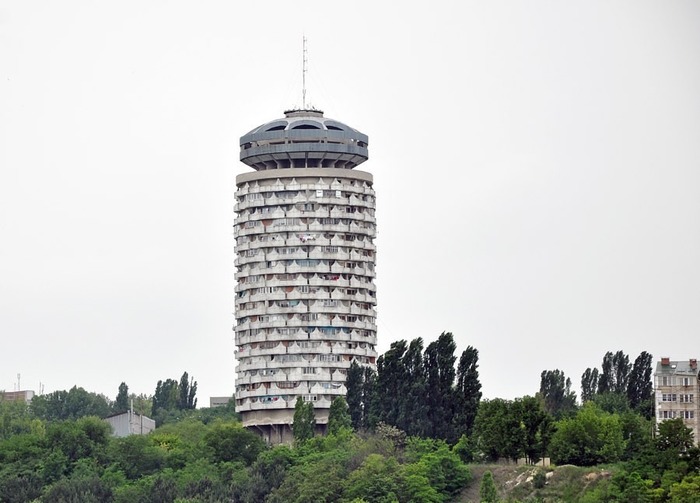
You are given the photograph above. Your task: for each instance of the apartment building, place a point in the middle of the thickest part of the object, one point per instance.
(677, 392)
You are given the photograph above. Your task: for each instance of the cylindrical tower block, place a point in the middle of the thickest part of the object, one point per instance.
(305, 268)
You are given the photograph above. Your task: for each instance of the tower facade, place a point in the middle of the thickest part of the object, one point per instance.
(305, 268)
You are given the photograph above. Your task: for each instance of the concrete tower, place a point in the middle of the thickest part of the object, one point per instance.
(305, 298)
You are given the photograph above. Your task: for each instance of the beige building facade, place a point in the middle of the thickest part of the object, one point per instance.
(305, 268)
(677, 392)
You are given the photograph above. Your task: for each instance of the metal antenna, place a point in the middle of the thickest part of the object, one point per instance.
(303, 74)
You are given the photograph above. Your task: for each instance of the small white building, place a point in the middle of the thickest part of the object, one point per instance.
(130, 423)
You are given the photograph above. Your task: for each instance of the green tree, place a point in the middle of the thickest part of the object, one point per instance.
(121, 404)
(338, 416)
(304, 420)
(589, 384)
(391, 379)
(498, 430)
(356, 405)
(534, 422)
(606, 379)
(186, 393)
(555, 392)
(415, 411)
(640, 388)
(231, 442)
(487, 491)
(72, 404)
(468, 390)
(377, 479)
(674, 435)
(439, 363)
(589, 438)
(166, 396)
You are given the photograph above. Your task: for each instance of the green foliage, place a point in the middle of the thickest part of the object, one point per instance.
(338, 416)
(674, 435)
(591, 437)
(304, 420)
(377, 480)
(488, 492)
(498, 430)
(79, 489)
(136, 456)
(72, 404)
(589, 384)
(439, 364)
(555, 392)
(232, 442)
(640, 389)
(14, 419)
(166, 396)
(467, 391)
(186, 393)
(121, 404)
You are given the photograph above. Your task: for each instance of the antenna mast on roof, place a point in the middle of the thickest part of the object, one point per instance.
(303, 73)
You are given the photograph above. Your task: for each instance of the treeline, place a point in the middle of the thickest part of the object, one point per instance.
(190, 461)
(169, 402)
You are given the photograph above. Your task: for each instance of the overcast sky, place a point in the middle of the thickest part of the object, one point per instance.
(537, 169)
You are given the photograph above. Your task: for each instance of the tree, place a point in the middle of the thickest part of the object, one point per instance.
(621, 369)
(231, 442)
(391, 379)
(488, 492)
(439, 363)
(72, 404)
(674, 435)
(556, 394)
(535, 422)
(589, 438)
(589, 384)
(468, 390)
(121, 404)
(640, 388)
(415, 410)
(353, 384)
(338, 416)
(498, 432)
(606, 379)
(186, 393)
(166, 395)
(304, 420)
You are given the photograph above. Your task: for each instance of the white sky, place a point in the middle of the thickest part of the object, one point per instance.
(536, 165)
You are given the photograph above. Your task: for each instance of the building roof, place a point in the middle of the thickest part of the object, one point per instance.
(304, 120)
(677, 367)
(302, 139)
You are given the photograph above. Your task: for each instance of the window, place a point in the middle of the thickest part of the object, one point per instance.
(686, 381)
(308, 370)
(252, 223)
(319, 192)
(330, 303)
(329, 358)
(686, 398)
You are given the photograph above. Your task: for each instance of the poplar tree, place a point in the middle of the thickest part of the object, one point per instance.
(468, 390)
(304, 420)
